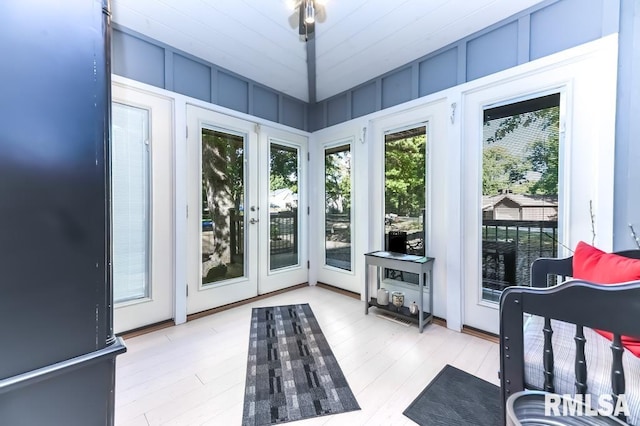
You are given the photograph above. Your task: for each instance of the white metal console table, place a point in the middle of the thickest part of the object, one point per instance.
(407, 263)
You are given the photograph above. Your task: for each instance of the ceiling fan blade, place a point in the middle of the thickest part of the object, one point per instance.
(294, 18)
(321, 13)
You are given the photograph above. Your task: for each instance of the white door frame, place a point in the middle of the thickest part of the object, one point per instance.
(277, 279)
(586, 78)
(434, 116)
(203, 297)
(355, 135)
(158, 306)
(258, 279)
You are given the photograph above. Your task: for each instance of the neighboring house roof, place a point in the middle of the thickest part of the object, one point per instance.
(282, 192)
(522, 200)
(280, 197)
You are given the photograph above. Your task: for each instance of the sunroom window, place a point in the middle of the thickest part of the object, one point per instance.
(520, 159)
(405, 171)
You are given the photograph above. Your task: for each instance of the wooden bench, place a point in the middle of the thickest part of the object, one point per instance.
(557, 351)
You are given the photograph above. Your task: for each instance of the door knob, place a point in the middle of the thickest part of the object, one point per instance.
(253, 221)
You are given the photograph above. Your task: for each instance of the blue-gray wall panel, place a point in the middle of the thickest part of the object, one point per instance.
(492, 52)
(543, 29)
(316, 116)
(626, 208)
(438, 72)
(293, 112)
(524, 39)
(337, 110)
(137, 59)
(565, 24)
(396, 88)
(265, 103)
(363, 100)
(54, 139)
(141, 58)
(191, 78)
(233, 92)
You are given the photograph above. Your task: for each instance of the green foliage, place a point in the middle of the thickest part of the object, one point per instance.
(337, 170)
(546, 118)
(502, 170)
(274, 231)
(405, 175)
(544, 158)
(278, 182)
(284, 169)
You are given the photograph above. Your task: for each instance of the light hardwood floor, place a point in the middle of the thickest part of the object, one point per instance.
(194, 373)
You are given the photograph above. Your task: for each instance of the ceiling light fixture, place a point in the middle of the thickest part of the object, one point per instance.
(309, 13)
(305, 16)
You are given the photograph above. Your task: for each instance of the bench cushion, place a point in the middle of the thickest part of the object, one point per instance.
(598, 357)
(592, 264)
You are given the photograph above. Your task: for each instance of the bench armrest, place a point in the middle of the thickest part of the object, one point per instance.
(544, 266)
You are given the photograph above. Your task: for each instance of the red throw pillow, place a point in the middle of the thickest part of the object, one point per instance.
(592, 264)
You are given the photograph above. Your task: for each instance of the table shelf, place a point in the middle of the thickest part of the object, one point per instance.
(421, 265)
(402, 313)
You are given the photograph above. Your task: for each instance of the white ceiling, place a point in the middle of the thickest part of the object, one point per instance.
(359, 40)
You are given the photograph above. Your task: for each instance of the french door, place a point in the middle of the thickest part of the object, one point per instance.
(336, 234)
(283, 210)
(513, 202)
(246, 209)
(142, 205)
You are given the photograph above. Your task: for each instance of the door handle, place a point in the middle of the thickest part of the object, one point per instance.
(253, 221)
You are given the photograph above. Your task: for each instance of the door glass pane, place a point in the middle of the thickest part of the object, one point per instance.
(405, 170)
(223, 194)
(283, 206)
(130, 202)
(520, 157)
(337, 195)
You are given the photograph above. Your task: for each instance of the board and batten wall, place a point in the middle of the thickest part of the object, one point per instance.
(542, 30)
(626, 206)
(140, 58)
(549, 27)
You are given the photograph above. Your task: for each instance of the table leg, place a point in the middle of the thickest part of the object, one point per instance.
(431, 293)
(421, 298)
(366, 288)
